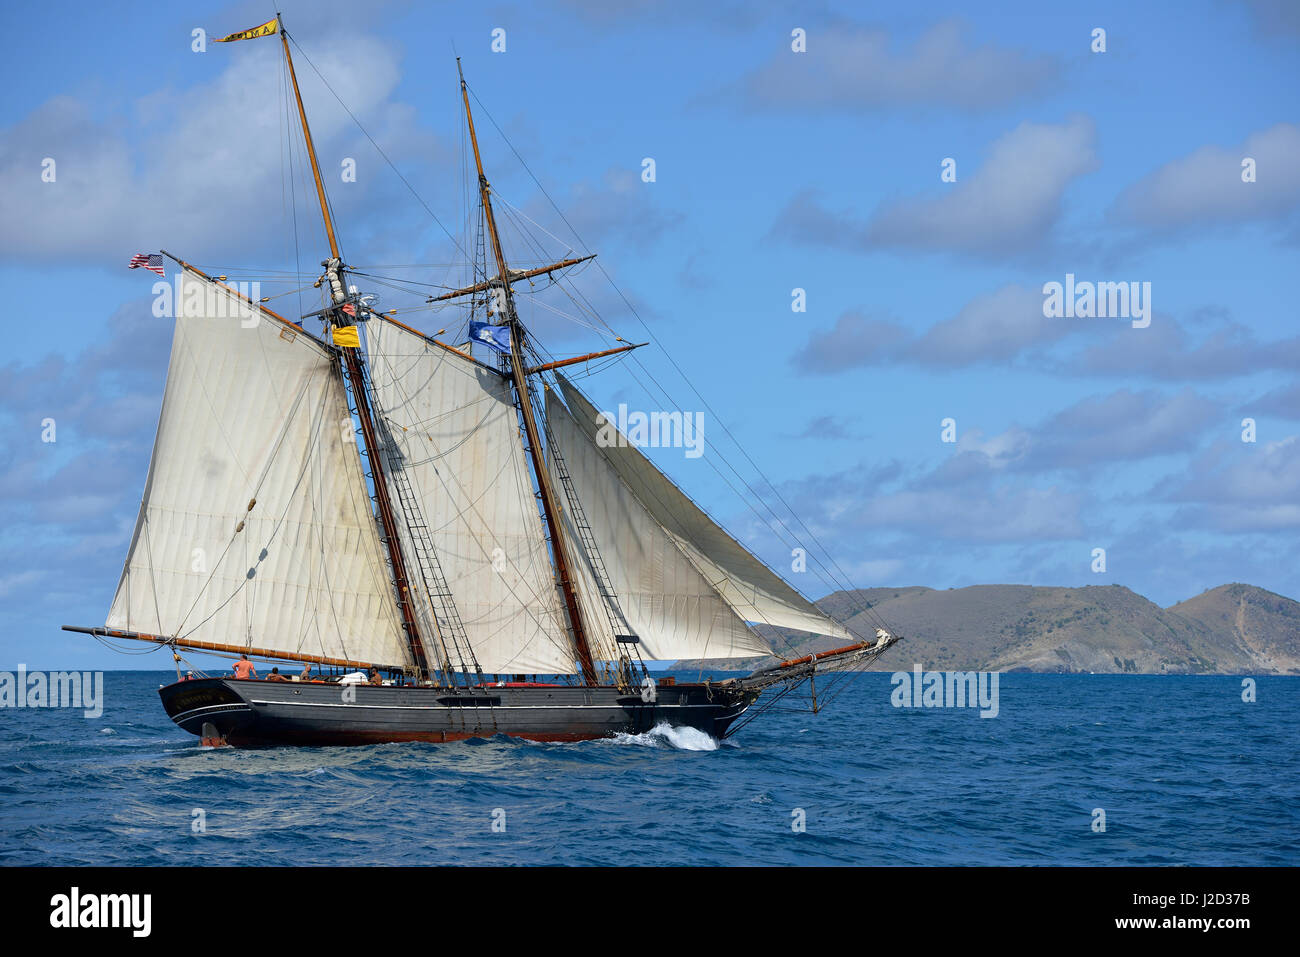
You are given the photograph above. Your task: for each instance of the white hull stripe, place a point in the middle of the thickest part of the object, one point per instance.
(456, 709)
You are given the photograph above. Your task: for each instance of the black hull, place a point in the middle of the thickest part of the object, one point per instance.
(265, 713)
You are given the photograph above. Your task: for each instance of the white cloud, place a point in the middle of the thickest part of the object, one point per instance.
(1205, 187)
(1275, 18)
(1000, 450)
(1283, 402)
(998, 327)
(1165, 351)
(1004, 513)
(995, 327)
(199, 170)
(1009, 204)
(1241, 487)
(849, 67)
(1267, 473)
(1122, 425)
(855, 340)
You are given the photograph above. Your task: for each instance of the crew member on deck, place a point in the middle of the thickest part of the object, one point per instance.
(276, 676)
(306, 672)
(244, 668)
(374, 677)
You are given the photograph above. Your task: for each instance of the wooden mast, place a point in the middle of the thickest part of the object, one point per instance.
(550, 507)
(351, 361)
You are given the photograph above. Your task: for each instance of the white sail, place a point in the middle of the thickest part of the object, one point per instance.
(671, 606)
(749, 587)
(255, 411)
(456, 432)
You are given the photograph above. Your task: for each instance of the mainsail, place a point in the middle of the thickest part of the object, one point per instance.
(455, 430)
(255, 527)
(683, 584)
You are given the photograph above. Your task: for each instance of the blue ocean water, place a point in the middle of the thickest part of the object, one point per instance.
(1185, 771)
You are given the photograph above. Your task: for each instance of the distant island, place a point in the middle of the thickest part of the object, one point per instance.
(1232, 629)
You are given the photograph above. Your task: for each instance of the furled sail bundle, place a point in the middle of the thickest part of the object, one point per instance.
(685, 586)
(255, 527)
(455, 427)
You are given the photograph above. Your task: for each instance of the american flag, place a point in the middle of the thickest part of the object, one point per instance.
(151, 261)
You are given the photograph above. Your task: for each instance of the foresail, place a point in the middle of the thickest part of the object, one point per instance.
(753, 590)
(255, 527)
(674, 610)
(455, 428)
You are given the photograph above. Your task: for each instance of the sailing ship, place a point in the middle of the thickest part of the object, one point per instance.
(374, 499)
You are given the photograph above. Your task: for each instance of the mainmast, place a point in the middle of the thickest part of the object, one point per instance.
(352, 364)
(550, 505)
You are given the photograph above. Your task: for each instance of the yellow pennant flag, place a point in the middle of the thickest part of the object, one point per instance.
(346, 337)
(265, 30)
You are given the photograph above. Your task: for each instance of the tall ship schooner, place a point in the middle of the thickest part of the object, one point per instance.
(375, 500)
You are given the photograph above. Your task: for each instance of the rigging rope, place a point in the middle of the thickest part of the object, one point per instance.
(843, 582)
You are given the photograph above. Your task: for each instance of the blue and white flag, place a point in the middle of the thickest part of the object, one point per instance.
(498, 337)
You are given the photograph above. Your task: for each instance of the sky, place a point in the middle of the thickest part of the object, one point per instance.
(919, 173)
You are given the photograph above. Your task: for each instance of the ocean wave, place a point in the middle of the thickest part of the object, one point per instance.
(1182, 779)
(664, 735)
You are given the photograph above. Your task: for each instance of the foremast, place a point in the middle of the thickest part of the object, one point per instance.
(519, 376)
(351, 362)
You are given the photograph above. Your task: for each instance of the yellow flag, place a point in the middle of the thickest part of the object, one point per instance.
(346, 337)
(265, 30)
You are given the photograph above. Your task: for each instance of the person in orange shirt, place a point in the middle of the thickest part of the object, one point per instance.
(244, 668)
